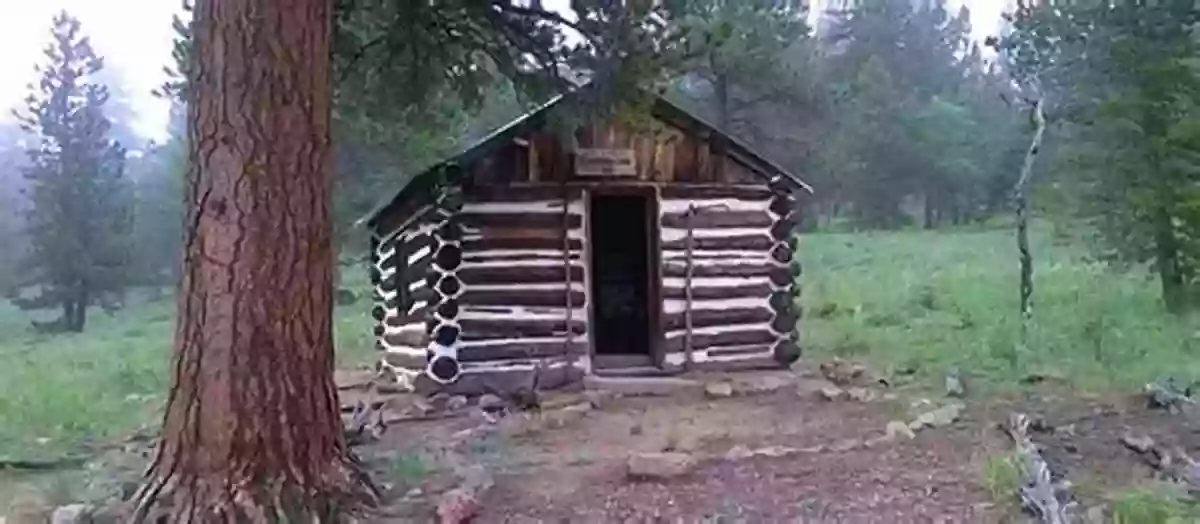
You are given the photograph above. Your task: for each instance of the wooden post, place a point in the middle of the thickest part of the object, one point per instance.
(687, 291)
(570, 357)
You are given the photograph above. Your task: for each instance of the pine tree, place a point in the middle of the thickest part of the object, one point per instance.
(78, 222)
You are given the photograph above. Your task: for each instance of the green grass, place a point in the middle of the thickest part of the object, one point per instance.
(1153, 505)
(932, 300)
(64, 392)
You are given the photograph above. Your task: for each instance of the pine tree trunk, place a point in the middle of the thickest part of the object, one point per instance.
(252, 425)
(1166, 247)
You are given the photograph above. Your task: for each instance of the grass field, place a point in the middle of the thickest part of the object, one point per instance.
(923, 300)
(930, 301)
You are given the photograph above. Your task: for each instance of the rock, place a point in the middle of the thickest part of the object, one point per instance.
(831, 393)
(457, 506)
(954, 384)
(561, 417)
(456, 403)
(72, 514)
(490, 402)
(897, 428)
(763, 384)
(658, 466)
(842, 372)
(943, 416)
(1138, 443)
(599, 398)
(738, 452)
(718, 390)
(860, 394)
(846, 444)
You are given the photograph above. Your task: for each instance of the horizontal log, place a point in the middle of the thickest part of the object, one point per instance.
(520, 193)
(785, 322)
(448, 308)
(522, 297)
(448, 257)
(783, 205)
(677, 191)
(717, 317)
(786, 352)
(415, 244)
(725, 338)
(411, 338)
(534, 219)
(749, 363)
(451, 230)
(781, 253)
(471, 275)
(781, 277)
(497, 256)
(718, 219)
(500, 381)
(521, 349)
(679, 270)
(485, 329)
(406, 360)
(419, 315)
(477, 245)
(782, 300)
(785, 227)
(449, 285)
(727, 351)
(758, 241)
(700, 292)
(446, 334)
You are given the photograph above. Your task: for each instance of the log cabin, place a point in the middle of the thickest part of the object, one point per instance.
(533, 260)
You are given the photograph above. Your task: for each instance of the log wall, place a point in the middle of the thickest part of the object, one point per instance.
(727, 278)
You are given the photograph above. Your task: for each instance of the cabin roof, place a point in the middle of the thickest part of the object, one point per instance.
(662, 108)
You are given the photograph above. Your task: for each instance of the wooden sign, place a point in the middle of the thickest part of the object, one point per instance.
(605, 162)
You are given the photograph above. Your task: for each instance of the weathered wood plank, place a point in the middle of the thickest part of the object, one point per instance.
(683, 191)
(712, 219)
(700, 292)
(493, 328)
(717, 317)
(518, 296)
(733, 337)
(507, 243)
(517, 349)
(755, 241)
(534, 219)
(679, 270)
(473, 275)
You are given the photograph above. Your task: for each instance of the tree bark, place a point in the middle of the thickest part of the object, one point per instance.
(1021, 196)
(252, 430)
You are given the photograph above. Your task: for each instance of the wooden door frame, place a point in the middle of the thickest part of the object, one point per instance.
(653, 266)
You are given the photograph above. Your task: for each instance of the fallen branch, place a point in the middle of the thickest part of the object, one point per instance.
(1174, 466)
(1040, 495)
(69, 462)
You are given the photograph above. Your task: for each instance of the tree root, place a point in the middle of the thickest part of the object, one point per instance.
(1040, 495)
(345, 493)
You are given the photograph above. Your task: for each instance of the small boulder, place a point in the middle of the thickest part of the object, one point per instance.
(860, 394)
(658, 466)
(739, 452)
(943, 416)
(457, 506)
(898, 428)
(718, 390)
(1138, 443)
(490, 402)
(456, 403)
(831, 393)
(846, 444)
(72, 514)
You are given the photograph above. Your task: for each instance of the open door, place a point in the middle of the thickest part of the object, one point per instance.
(624, 294)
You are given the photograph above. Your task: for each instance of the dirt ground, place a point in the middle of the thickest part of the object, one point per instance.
(776, 450)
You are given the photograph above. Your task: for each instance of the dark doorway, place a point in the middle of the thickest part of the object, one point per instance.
(620, 279)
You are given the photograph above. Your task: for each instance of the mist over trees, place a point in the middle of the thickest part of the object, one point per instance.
(891, 111)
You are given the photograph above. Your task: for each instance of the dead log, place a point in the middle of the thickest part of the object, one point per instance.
(733, 337)
(751, 242)
(700, 318)
(516, 327)
(518, 295)
(712, 219)
(1045, 498)
(701, 292)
